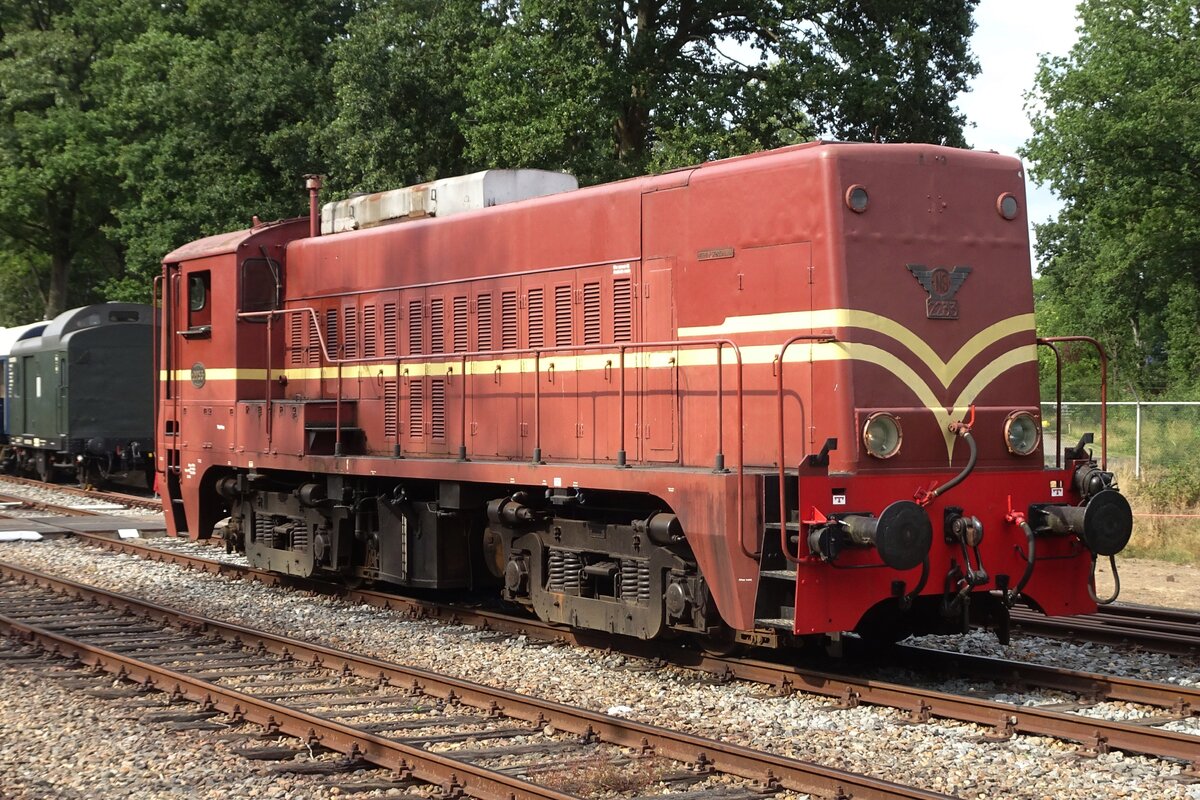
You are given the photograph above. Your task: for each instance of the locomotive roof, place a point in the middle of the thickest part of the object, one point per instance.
(84, 317)
(223, 243)
(10, 336)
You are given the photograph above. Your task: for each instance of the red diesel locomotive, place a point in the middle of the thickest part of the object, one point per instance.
(789, 393)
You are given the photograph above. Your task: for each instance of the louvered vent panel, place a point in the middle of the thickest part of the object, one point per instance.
(437, 408)
(391, 332)
(368, 331)
(391, 415)
(350, 331)
(437, 325)
(416, 408)
(591, 313)
(537, 318)
(314, 340)
(295, 344)
(331, 332)
(622, 311)
(415, 345)
(460, 324)
(508, 320)
(562, 316)
(483, 322)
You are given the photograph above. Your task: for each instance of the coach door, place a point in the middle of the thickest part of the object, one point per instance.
(659, 418)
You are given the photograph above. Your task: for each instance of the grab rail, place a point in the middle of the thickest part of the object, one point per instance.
(803, 337)
(1050, 341)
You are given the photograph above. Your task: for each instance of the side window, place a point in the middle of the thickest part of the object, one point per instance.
(260, 287)
(199, 303)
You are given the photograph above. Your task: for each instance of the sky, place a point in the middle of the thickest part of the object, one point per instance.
(1009, 37)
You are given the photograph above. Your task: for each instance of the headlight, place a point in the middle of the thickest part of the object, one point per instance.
(1021, 433)
(882, 435)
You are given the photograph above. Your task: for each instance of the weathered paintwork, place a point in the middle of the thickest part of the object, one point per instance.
(432, 334)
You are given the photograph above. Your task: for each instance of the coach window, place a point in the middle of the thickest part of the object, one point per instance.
(199, 304)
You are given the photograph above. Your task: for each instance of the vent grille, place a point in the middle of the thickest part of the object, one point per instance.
(368, 331)
(437, 408)
(415, 345)
(331, 332)
(295, 332)
(562, 316)
(460, 324)
(622, 311)
(350, 331)
(437, 325)
(391, 415)
(483, 322)
(508, 320)
(591, 313)
(416, 408)
(391, 332)
(537, 318)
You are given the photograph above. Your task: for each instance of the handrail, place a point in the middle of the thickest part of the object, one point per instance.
(537, 353)
(809, 337)
(157, 331)
(1057, 401)
(1049, 341)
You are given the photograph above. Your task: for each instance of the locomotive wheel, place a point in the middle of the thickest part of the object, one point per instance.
(41, 464)
(89, 475)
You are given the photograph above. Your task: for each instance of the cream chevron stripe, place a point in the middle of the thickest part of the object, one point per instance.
(946, 371)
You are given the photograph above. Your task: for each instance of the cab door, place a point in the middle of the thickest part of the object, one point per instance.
(660, 410)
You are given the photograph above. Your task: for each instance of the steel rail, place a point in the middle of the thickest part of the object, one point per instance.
(133, 501)
(1174, 638)
(1005, 718)
(1181, 700)
(404, 759)
(38, 505)
(733, 759)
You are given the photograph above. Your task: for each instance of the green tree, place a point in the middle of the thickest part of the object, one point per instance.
(611, 89)
(399, 90)
(1117, 136)
(619, 88)
(57, 182)
(215, 113)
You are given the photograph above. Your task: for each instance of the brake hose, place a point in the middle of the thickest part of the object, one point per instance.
(963, 431)
(1112, 560)
(1013, 596)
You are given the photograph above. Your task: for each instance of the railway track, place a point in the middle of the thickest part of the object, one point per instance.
(1165, 702)
(463, 737)
(10, 503)
(1161, 630)
(120, 498)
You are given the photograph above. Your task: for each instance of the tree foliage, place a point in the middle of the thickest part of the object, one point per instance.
(1117, 136)
(128, 128)
(56, 174)
(612, 89)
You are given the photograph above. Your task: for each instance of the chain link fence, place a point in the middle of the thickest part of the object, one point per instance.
(1145, 439)
(1154, 450)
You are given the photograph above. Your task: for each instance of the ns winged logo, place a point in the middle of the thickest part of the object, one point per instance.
(942, 284)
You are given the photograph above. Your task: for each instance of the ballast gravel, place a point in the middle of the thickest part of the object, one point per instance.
(53, 495)
(944, 756)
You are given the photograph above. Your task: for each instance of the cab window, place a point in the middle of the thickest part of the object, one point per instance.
(199, 305)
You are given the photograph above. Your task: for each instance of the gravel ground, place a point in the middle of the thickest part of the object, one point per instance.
(49, 494)
(62, 743)
(943, 756)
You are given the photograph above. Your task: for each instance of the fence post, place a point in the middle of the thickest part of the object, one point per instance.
(1137, 440)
